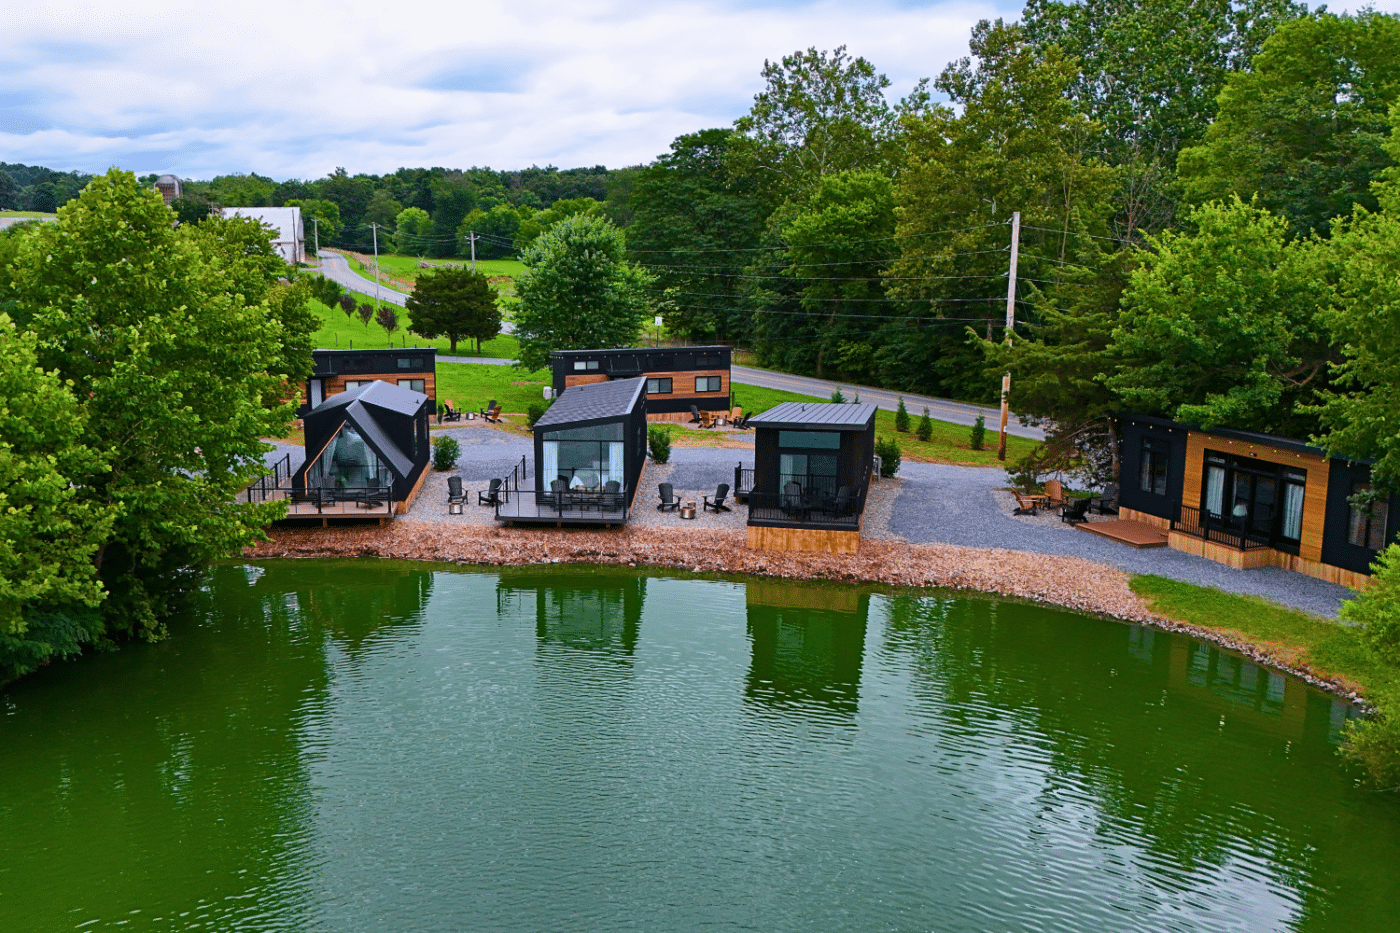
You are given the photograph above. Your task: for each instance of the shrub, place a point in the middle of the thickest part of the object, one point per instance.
(901, 417)
(659, 442)
(926, 427)
(978, 437)
(1377, 608)
(888, 452)
(838, 398)
(445, 452)
(536, 411)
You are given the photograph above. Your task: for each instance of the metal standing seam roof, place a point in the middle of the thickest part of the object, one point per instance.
(595, 401)
(819, 416)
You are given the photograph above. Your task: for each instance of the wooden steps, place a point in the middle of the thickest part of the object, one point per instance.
(1133, 534)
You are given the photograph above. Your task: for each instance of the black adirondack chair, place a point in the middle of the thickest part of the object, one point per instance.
(716, 503)
(668, 498)
(489, 405)
(1073, 512)
(694, 415)
(491, 496)
(612, 496)
(454, 490)
(449, 413)
(1107, 502)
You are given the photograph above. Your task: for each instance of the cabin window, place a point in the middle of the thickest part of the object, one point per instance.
(1152, 467)
(584, 365)
(707, 383)
(709, 362)
(356, 383)
(585, 458)
(406, 362)
(659, 386)
(1367, 526)
(415, 385)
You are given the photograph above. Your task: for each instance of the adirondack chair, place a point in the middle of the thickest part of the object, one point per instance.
(454, 490)
(1073, 512)
(1054, 493)
(668, 498)
(448, 412)
(1025, 505)
(1107, 502)
(492, 414)
(489, 405)
(491, 496)
(716, 503)
(694, 415)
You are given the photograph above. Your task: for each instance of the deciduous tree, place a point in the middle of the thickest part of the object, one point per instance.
(457, 304)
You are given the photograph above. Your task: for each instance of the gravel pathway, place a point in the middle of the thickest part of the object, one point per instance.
(966, 506)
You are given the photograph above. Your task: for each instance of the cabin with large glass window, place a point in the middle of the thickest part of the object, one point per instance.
(812, 466)
(367, 453)
(1252, 500)
(590, 449)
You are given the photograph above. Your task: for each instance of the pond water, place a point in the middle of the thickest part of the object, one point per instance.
(376, 746)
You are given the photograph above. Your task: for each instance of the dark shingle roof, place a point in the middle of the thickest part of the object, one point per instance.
(821, 416)
(593, 402)
(379, 394)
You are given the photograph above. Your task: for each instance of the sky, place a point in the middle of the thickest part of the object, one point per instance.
(293, 90)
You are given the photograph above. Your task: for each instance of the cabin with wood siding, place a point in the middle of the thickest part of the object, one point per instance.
(677, 377)
(335, 371)
(1252, 500)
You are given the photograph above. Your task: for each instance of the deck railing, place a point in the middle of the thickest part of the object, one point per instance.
(375, 500)
(818, 508)
(583, 505)
(743, 481)
(274, 485)
(1203, 524)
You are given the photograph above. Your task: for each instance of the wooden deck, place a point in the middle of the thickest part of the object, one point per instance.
(334, 511)
(1133, 534)
(577, 509)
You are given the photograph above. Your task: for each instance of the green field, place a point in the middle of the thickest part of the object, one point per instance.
(341, 333)
(471, 385)
(394, 270)
(949, 443)
(25, 214)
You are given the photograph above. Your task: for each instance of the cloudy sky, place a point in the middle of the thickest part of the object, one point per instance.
(296, 89)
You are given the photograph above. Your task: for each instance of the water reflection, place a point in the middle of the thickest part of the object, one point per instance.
(807, 643)
(591, 611)
(350, 601)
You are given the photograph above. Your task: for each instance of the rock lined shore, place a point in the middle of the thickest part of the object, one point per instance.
(1068, 582)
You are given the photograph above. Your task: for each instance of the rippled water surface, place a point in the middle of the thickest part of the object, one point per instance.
(368, 746)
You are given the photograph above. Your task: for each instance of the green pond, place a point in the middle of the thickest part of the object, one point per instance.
(349, 746)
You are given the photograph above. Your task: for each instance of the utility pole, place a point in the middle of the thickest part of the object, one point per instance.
(471, 238)
(1010, 326)
(374, 231)
(316, 236)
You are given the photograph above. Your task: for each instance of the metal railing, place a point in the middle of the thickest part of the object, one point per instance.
(583, 505)
(1204, 524)
(375, 499)
(816, 507)
(275, 485)
(743, 481)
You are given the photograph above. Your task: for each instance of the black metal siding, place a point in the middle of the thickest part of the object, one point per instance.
(1336, 549)
(1130, 495)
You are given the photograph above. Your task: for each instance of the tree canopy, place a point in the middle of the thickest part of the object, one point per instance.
(457, 304)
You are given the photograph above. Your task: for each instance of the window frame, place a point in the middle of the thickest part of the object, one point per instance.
(658, 381)
(717, 381)
(1154, 461)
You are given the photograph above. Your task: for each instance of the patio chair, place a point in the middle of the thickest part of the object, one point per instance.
(489, 405)
(793, 503)
(842, 503)
(1054, 493)
(454, 490)
(707, 419)
(448, 412)
(1025, 505)
(668, 498)
(741, 423)
(492, 414)
(491, 496)
(1073, 513)
(694, 415)
(559, 493)
(1106, 503)
(612, 496)
(717, 503)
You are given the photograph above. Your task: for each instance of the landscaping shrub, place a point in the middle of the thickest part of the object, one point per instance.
(1377, 608)
(445, 452)
(838, 398)
(888, 452)
(925, 431)
(978, 437)
(536, 411)
(659, 442)
(901, 417)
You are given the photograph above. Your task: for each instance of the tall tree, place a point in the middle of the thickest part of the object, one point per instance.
(696, 221)
(455, 303)
(1305, 128)
(411, 231)
(578, 292)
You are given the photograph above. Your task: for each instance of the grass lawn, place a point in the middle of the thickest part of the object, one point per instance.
(1301, 639)
(949, 443)
(400, 272)
(337, 331)
(25, 214)
(471, 385)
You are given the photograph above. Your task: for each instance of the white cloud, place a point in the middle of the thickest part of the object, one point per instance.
(297, 89)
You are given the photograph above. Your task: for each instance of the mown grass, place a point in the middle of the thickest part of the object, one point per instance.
(949, 443)
(399, 272)
(1301, 639)
(337, 332)
(471, 385)
(26, 214)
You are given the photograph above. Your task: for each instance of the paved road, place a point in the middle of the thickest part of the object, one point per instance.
(337, 268)
(941, 409)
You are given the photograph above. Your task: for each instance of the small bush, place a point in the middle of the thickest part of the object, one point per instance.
(901, 417)
(888, 452)
(445, 452)
(536, 411)
(838, 398)
(925, 431)
(978, 437)
(1377, 608)
(659, 442)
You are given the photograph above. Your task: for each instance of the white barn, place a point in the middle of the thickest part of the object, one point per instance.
(289, 238)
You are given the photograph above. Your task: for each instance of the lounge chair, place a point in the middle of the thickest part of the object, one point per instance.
(454, 490)
(1055, 493)
(1025, 505)
(448, 412)
(489, 405)
(1073, 512)
(707, 419)
(612, 496)
(559, 493)
(717, 503)
(491, 496)
(668, 498)
(694, 415)
(492, 414)
(793, 503)
(841, 504)
(740, 423)
(1107, 502)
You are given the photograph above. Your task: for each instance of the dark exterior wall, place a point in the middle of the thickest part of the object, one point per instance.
(765, 460)
(409, 432)
(1130, 495)
(681, 364)
(336, 367)
(634, 439)
(1337, 550)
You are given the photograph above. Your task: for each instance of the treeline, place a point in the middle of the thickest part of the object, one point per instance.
(35, 188)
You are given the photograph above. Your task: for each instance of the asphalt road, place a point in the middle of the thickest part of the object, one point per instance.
(940, 409)
(337, 268)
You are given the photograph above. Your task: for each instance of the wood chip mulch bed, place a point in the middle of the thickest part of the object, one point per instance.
(1068, 582)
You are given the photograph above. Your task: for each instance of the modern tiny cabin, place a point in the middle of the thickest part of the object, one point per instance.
(812, 468)
(590, 449)
(676, 377)
(366, 451)
(335, 371)
(1252, 500)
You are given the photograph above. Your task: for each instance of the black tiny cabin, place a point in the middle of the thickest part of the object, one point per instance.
(594, 434)
(812, 465)
(676, 377)
(335, 371)
(374, 435)
(1251, 500)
